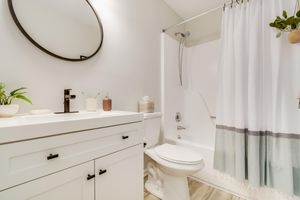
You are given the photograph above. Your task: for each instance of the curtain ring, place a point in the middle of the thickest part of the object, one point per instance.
(231, 4)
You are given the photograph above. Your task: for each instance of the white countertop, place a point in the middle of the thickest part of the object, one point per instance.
(36, 126)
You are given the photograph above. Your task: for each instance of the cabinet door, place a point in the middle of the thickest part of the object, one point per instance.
(69, 184)
(119, 176)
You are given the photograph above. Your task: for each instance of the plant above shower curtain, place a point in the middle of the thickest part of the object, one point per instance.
(258, 121)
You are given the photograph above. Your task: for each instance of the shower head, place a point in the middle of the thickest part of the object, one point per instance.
(184, 35)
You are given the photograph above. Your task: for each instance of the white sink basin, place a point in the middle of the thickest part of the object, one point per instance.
(37, 126)
(48, 118)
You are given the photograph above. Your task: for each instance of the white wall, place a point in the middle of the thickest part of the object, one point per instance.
(196, 100)
(205, 28)
(128, 65)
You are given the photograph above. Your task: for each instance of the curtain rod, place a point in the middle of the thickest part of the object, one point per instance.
(205, 13)
(192, 18)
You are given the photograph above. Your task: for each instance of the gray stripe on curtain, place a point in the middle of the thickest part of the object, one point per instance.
(260, 133)
(261, 158)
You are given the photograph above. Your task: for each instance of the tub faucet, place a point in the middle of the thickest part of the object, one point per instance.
(67, 98)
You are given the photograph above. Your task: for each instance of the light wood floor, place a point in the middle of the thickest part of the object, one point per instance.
(201, 191)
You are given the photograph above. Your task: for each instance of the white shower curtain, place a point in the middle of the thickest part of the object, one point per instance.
(258, 120)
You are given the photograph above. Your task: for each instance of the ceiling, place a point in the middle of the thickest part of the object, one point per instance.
(190, 8)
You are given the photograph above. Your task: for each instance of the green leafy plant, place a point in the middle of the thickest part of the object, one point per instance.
(6, 99)
(286, 23)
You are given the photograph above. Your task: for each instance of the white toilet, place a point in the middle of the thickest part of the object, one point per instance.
(173, 164)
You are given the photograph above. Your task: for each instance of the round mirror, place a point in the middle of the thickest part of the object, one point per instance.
(66, 29)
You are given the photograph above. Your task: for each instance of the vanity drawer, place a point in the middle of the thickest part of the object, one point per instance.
(28, 160)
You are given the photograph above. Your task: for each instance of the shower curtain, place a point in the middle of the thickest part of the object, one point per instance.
(258, 119)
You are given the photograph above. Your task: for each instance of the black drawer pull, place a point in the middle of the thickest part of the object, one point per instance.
(52, 156)
(125, 137)
(102, 171)
(89, 177)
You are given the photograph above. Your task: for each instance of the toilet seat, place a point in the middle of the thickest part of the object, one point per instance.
(177, 154)
(173, 168)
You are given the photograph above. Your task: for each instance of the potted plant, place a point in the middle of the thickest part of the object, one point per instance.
(7, 108)
(288, 24)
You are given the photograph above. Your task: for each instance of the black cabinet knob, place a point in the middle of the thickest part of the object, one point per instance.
(125, 137)
(102, 171)
(89, 177)
(52, 156)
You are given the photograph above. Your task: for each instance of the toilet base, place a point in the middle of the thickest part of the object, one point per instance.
(154, 189)
(175, 188)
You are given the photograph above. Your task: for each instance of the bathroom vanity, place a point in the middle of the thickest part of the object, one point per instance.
(83, 156)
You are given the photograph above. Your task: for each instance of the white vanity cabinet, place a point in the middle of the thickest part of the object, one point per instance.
(114, 177)
(69, 184)
(101, 163)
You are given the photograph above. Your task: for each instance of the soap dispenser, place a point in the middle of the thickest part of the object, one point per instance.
(107, 103)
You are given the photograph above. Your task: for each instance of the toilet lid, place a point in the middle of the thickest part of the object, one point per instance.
(177, 154)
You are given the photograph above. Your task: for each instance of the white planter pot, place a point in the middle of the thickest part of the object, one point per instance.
(8, 110)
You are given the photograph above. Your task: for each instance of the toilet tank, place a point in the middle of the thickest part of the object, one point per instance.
(152, 122)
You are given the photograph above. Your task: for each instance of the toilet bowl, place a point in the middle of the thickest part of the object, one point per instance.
(171, 164)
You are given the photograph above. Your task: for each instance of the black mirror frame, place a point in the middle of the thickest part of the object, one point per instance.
(82, 58)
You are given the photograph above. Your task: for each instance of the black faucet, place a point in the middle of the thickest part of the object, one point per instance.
(67, 98)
